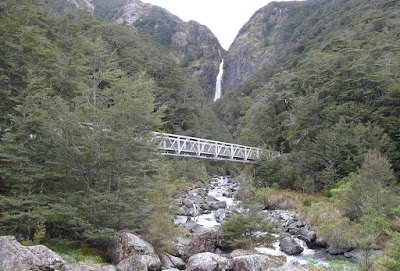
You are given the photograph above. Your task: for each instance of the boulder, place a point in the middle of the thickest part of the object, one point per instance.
(177, 262)
(222, 204)
(133, 263)
(290, 246)
(169, 261)
(166, 262)
(334, 249)
(307, 235)
(126, 245)
(250, 262)
(182, 210)
(14, 256)
(206, 240)
(208, 261)
(214, 206)
(187, 202)
(242, 252)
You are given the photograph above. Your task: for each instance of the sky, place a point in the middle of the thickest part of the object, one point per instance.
(223, 17)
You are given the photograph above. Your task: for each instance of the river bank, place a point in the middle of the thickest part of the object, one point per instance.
(207, 207)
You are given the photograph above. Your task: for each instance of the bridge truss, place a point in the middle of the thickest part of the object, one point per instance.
(185, 147)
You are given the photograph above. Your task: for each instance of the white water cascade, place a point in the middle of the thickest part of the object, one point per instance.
(218, 85)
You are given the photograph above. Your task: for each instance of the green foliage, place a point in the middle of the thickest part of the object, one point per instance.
(391, 259)
(158, 25)
(161, 231)
(79, 100)
(335, 265)
(242, 230)
(371, 189)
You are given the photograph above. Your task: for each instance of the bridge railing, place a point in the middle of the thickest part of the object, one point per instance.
(186, 146)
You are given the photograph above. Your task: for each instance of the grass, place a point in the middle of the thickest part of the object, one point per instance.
(335, 265)
(74, 254)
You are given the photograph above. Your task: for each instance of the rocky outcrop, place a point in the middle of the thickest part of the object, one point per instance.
(208, 262)
(129, 247)
(192, 45)
(260, 42)
(207, 240)
(290, 246)
(83, 4)
(14, 256)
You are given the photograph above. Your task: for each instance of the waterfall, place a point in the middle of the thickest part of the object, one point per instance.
(218, 85)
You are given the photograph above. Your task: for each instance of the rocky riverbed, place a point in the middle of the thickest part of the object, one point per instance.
(201, 212)
(206, 208)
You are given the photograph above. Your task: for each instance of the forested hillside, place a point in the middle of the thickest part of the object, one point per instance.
(79, 100)
(329, 101)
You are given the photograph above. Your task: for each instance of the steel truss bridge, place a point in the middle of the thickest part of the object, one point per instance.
(191, 147)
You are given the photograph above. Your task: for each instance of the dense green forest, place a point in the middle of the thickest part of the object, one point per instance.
(331, 106)
(79, 100)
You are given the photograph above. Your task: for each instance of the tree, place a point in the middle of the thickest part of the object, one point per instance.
(247, 229)
(372, 188)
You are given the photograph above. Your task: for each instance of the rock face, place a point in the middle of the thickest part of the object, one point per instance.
(250, 262)
(206, 240)
(193, 45)
(14, 256)
(260, 42)
(127, 246)
(290, 246)
(208, 262)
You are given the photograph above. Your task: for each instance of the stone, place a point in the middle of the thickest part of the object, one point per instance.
(290, 246)
(187, 202)
(189, 227)
(206, 240)
(166, 262)
(132, 264)
(182, 210)
(208, 261)
(222, 204)
(242, 252)
(126, 245)
(334, 249)
(214, 206)
(15, 256)
(251, 262)
(177, 262)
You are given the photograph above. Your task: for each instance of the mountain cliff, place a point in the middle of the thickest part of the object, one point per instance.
(191, 44)
(262, 40)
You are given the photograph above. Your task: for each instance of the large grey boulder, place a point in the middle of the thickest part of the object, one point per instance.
(334, 249)
(250, 262)
(126, 245)
(208, 261)
(206, 240)
(290, 246)
(14, 256)
(169, 261)
(133, 263)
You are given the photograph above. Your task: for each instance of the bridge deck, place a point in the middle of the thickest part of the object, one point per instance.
(185, 146)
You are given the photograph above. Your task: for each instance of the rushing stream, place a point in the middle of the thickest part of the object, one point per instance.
(221, 189)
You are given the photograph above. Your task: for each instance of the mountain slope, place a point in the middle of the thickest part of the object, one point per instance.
(191, 44)
(338, 70)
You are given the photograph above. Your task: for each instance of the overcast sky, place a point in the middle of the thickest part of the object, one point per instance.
(223, 17)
